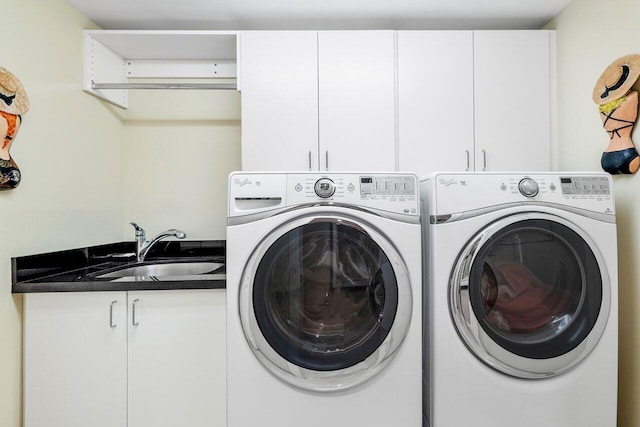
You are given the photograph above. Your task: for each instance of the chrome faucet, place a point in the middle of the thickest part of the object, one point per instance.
(143, 246)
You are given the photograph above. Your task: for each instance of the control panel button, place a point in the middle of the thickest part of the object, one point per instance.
(324, 188)
(528, 187)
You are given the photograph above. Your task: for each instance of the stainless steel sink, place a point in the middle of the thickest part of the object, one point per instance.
(165, 270)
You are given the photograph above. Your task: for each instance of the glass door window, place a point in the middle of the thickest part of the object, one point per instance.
(325, 295)
(325, 299)
(536, 288)
(529, 296)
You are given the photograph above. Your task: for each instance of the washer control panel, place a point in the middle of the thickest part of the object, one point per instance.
(393, 192)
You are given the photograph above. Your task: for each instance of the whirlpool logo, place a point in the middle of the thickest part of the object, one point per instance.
(241, 182)
(451, 181)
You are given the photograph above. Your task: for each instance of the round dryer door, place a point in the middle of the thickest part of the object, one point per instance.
(530, 295)
(325, 302)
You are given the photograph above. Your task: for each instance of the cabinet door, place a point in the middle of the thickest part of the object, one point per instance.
(356, 72)
(279, 86)
(435, 101)
(177, 358)
(75, 359)
(513, 109)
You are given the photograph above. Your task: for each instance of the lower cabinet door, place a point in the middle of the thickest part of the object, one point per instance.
(177, 358)
(118, 359)
(75, 359)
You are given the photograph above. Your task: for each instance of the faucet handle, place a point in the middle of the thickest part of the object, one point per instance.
(139, 230)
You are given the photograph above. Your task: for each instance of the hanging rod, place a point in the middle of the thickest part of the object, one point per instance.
(206, 86)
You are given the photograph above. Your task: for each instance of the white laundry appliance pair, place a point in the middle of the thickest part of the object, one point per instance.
(520, 300)
(324, 321)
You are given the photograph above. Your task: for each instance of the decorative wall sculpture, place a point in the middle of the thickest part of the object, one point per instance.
(13, 104)
(618, 106)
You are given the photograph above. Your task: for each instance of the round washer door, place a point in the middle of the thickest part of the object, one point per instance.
(325, 301)
(530, 295)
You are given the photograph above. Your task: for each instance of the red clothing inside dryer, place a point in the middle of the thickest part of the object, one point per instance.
(523, 303)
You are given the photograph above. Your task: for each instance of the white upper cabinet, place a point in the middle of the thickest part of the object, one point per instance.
(357, 100)
(428, 100)
(480, 100)
(435, 101)
(279, 85)
(514, 100)
(318, 100)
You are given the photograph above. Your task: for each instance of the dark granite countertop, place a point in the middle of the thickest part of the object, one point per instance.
(77, 270)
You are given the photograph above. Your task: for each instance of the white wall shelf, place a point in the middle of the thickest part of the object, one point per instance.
(114, 59)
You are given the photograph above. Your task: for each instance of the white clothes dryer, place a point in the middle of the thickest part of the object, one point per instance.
(520, 299)
(324, 300)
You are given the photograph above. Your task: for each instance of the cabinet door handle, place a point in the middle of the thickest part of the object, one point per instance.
(133, 312)
(111, 324)
(310, 161)
(468, 159)
(326, 159)
(484, 159)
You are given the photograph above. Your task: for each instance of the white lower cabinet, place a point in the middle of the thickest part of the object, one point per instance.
(136, 359)
(75, 364)
(177, 360)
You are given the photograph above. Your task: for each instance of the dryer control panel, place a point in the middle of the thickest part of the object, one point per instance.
(464, 192)
(585, 185)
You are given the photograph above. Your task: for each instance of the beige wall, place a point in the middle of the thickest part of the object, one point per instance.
(89, 167)
(179, 148)
(68, 149)
(590, 35)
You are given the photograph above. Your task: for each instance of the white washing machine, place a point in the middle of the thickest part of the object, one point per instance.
(324, 300)
(521, 300)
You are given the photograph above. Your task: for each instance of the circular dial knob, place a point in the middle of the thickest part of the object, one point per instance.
(528, 187)
(324, 188)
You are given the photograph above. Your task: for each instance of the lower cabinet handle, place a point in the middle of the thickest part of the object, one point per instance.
(133, 312)
(484, 159)
(468, 160)
(111, 324)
